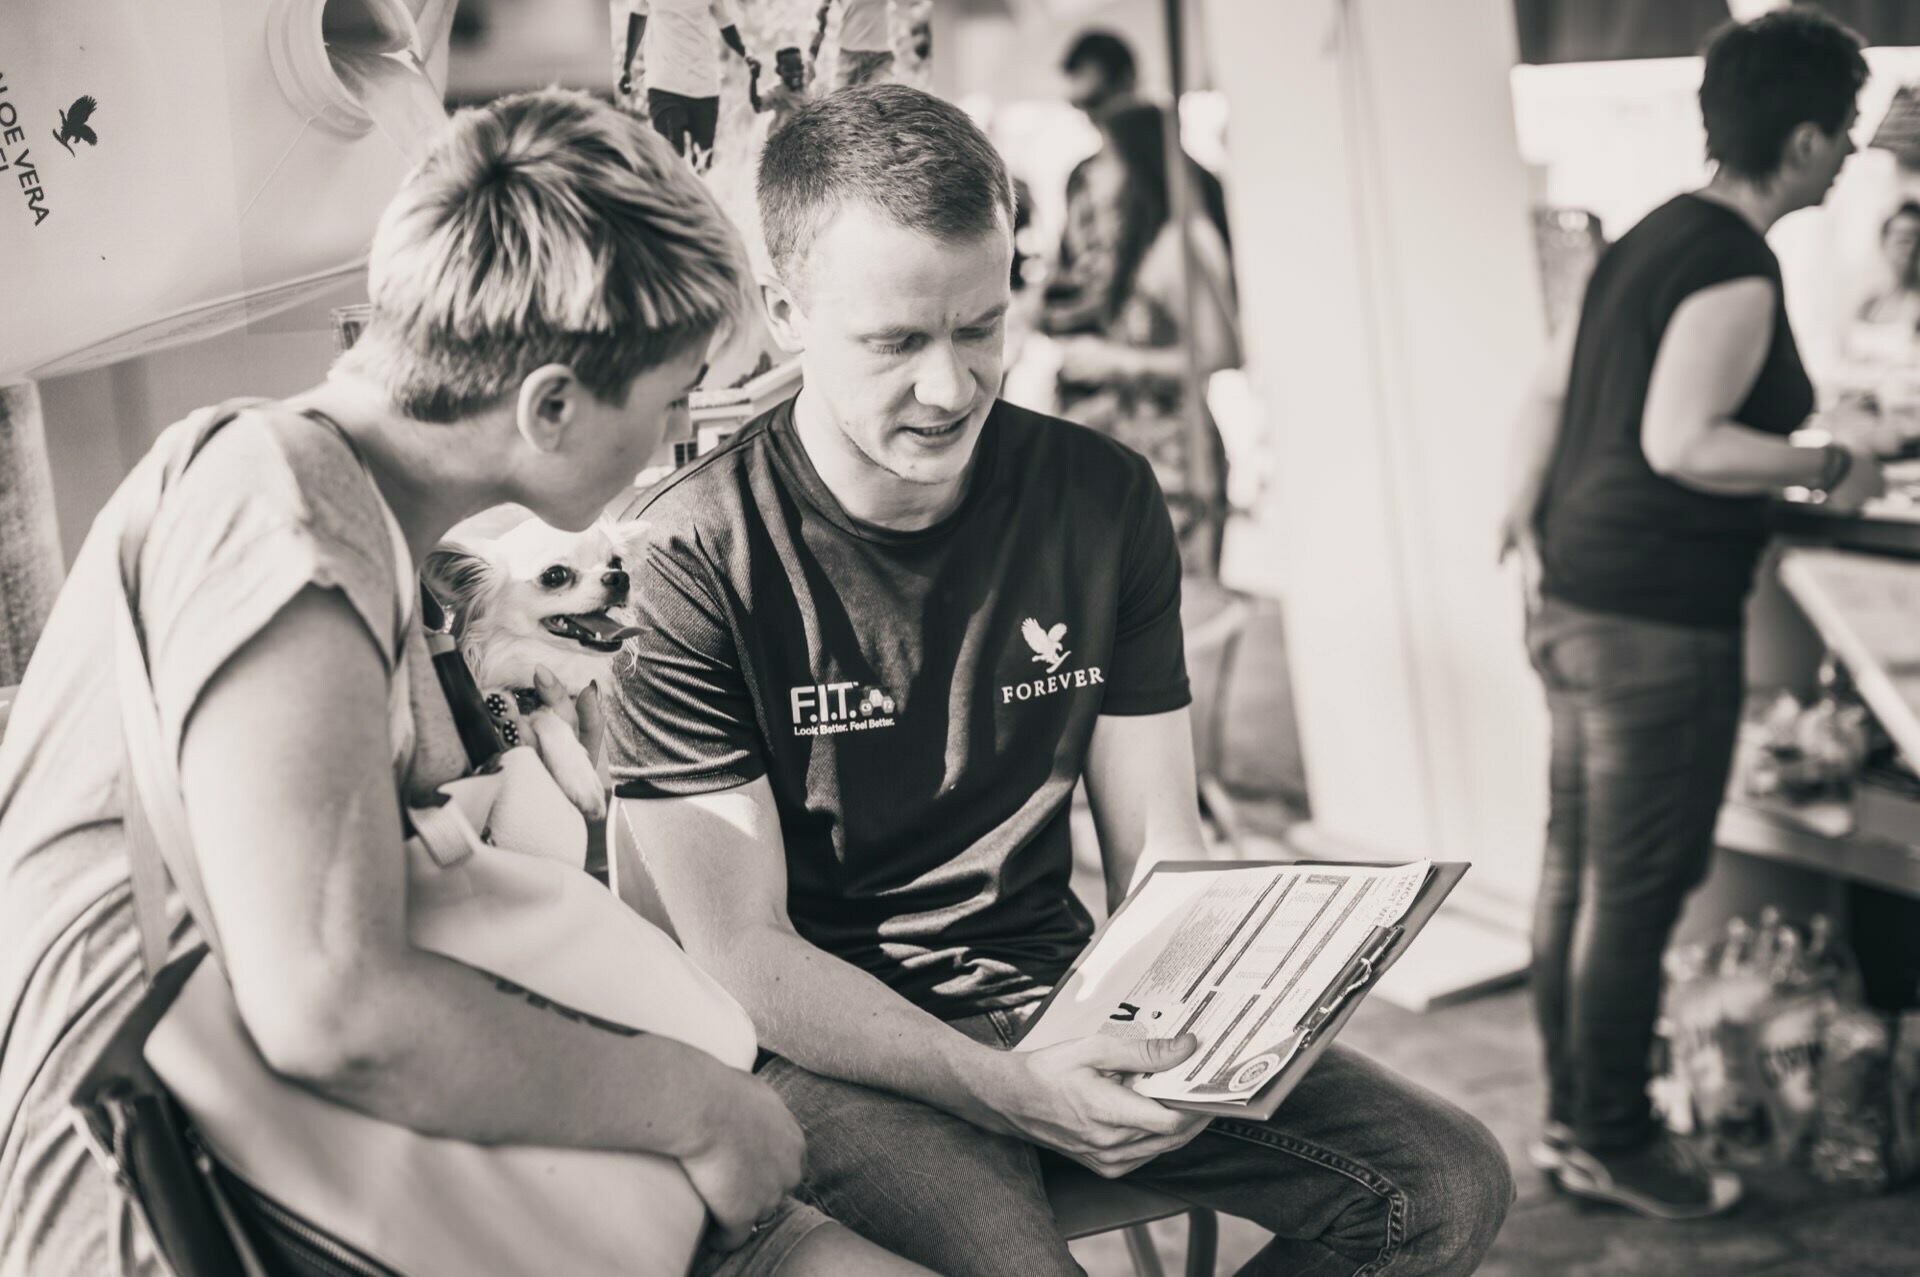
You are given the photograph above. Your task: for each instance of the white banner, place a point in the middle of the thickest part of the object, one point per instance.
(172, 170)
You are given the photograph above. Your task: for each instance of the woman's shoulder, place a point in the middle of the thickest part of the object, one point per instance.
(269, 503)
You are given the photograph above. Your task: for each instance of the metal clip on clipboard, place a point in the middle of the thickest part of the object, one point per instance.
(1358, 975)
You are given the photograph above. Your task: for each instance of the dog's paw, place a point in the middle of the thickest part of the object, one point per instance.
(570, 764)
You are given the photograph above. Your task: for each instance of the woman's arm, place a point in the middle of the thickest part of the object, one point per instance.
(289, 793)
(1707, 364)
(1536, 433)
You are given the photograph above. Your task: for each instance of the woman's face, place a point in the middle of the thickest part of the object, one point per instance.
(1898, 244)
(608, 444)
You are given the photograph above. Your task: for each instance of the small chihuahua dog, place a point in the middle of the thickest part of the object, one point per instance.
(539, 598)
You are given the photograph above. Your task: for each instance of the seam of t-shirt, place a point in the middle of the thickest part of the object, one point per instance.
(322, 546)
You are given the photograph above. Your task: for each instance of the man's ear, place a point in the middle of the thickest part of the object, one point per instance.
(549, 401)
(783, 312)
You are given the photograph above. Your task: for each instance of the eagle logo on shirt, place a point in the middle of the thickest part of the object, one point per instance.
(1045, 643)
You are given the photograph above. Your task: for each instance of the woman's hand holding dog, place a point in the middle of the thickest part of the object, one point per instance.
(584, 719)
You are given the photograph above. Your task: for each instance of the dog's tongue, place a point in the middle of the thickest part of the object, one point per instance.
(603, 628)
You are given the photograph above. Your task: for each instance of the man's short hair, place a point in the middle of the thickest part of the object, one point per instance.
(1765, 78)
(543, 228)
(1105, 50)
(916, 158)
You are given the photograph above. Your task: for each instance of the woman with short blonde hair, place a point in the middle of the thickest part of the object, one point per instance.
(545, 287)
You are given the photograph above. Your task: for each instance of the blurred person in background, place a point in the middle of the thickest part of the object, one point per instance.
(1126, 375)
(1899, 301)
(1643, 458)
(1102, 81)
(681, 68)
(866, 44)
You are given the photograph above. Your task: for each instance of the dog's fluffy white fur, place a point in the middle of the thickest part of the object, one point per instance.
(538, 598)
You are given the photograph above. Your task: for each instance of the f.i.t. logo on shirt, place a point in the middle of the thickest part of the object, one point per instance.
(827, 709)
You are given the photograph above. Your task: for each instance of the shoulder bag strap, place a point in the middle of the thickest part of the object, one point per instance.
(154, 818)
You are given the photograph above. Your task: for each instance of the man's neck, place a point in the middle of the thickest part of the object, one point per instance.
(866, 490)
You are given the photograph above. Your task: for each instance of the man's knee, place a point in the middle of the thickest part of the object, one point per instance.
(1465, 1193)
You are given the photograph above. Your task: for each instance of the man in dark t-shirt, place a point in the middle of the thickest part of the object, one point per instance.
(888, 628)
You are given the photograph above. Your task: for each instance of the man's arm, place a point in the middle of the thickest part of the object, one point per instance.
(1141, 785)
(636, 28)
(719, 865)
(729, 26)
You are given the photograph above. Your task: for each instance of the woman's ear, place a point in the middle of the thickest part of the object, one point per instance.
(548, 403)
(783, 313)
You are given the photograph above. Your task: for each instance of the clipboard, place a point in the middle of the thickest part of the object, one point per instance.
(1337, 1002)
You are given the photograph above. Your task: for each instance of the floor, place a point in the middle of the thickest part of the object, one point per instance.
(1481, 1055)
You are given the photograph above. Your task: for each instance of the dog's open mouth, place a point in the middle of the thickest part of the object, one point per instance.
(596, 631)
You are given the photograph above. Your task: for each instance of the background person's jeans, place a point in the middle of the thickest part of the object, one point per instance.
(1644, 719)
(1360, 1172)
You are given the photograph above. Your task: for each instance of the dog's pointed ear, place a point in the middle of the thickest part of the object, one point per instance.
(456, 575)
(629, 540)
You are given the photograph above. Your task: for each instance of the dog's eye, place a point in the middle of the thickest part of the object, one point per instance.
(557, 578)
(614, 564)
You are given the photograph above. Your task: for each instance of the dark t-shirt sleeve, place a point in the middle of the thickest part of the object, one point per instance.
(1149, 674)
(682, 720)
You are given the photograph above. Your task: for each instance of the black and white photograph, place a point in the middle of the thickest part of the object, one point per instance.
(959, 638)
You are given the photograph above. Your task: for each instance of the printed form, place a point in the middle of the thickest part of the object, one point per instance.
(1238, 956)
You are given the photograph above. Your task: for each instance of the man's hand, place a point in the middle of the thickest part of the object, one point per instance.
(1073, 1098)
(751, 1158)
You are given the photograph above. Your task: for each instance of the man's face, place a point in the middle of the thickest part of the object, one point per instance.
(901, 338)
(793, 72)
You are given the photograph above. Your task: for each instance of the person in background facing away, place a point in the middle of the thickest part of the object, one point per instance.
(889, 627)
(505, 361)
(866, 44)
(682, 68)
(1642, 461)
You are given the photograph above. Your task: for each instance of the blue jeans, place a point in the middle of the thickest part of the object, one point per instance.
(1644, 719)
(1360, 1172)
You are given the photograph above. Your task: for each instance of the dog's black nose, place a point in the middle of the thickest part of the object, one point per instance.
(616, 583)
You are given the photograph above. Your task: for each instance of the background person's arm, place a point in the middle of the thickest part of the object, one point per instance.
(719, 865)
(1708, 361)
(1536, 433)
(290, 797)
